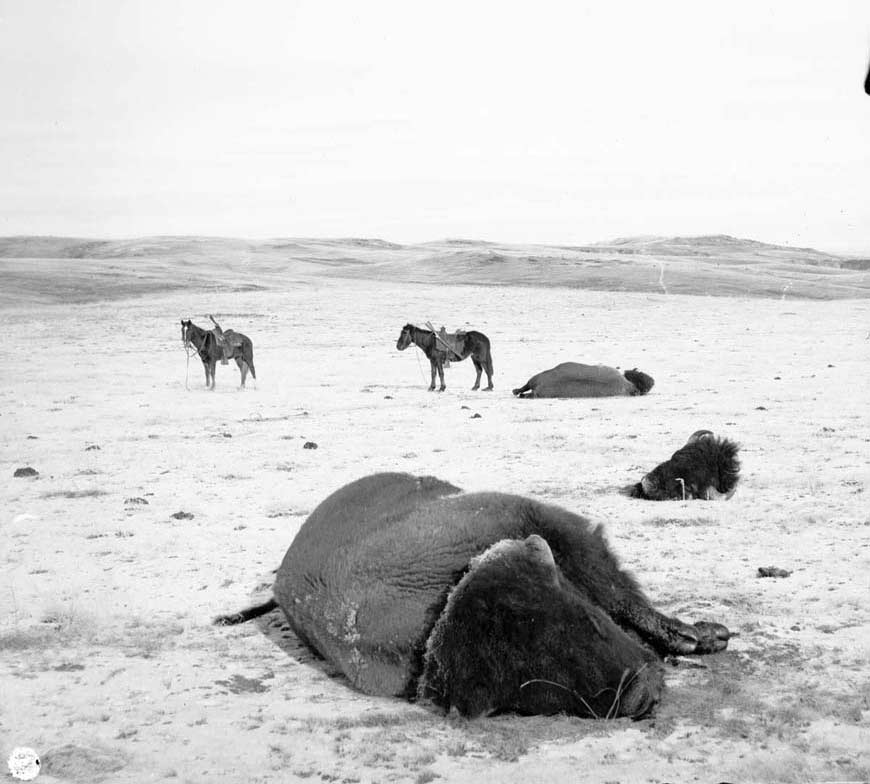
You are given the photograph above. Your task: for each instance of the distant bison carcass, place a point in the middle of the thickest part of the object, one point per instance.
(485, 602)
(573, 379)
(706, 467)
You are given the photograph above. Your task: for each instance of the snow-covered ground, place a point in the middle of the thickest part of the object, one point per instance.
(109, 666)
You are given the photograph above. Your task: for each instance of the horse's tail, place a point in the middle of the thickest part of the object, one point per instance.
(248, 356)
(480, 345)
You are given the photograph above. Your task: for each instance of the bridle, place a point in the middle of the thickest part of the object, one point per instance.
(191, 341)
(407, 333)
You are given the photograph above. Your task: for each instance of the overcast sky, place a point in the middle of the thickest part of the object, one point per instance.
(535, 121)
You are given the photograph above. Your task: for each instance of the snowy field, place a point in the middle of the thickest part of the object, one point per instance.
(111, 669)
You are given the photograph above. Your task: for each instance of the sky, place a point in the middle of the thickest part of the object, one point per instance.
(550, 122)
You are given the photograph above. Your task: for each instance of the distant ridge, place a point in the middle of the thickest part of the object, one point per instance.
(705, 240)
(75, 269)
(723, 244)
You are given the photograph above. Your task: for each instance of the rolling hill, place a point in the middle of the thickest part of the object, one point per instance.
(69, 269)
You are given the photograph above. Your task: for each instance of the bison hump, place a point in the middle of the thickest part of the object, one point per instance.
(366, 505)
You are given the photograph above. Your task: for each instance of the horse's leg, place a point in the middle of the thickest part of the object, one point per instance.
(432, 366)
(479, 368)
(487, 364)
(243, 369)
(441, 376)
(212, 366)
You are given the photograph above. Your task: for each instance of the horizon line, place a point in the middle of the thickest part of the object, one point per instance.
(346, 238)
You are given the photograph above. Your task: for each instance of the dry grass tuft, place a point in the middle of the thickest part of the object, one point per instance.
(689, 522)
(93, 493)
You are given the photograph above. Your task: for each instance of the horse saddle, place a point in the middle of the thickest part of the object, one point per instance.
(229, 341)
(451, 343)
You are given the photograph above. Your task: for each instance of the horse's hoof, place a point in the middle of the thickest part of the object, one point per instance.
(442, 389)
(474, 389)
(487, 389)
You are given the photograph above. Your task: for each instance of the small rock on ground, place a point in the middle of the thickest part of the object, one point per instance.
(772, 571)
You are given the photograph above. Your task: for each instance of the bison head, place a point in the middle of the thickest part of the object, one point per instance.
(706, 467)
(516, 635)
(641, 380)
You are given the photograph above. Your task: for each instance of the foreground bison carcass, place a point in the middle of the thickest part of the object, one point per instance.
(573, 379)
(706, 467)
(483, 601)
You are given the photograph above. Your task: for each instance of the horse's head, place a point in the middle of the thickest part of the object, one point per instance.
(406, 338)
(185, 331)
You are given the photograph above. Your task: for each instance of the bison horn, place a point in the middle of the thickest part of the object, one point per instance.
(647, 486)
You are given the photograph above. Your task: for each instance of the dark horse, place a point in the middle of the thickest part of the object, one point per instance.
(461, 345)
(205, 342)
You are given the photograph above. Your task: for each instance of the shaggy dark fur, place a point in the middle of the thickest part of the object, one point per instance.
(641, 380)
(707, 465)
(540, 615)
(498, 647)
(206, 345)
(574, 379)
(471, 343)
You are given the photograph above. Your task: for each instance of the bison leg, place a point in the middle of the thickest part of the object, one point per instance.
(671, 635)
(586, 560)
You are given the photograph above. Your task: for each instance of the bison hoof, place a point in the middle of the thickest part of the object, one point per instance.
(712, 637)
(685, 639)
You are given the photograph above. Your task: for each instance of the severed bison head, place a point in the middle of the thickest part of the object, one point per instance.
(706, 467)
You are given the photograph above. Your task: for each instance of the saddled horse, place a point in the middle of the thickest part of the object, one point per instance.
(210, 349)
(459, 345)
